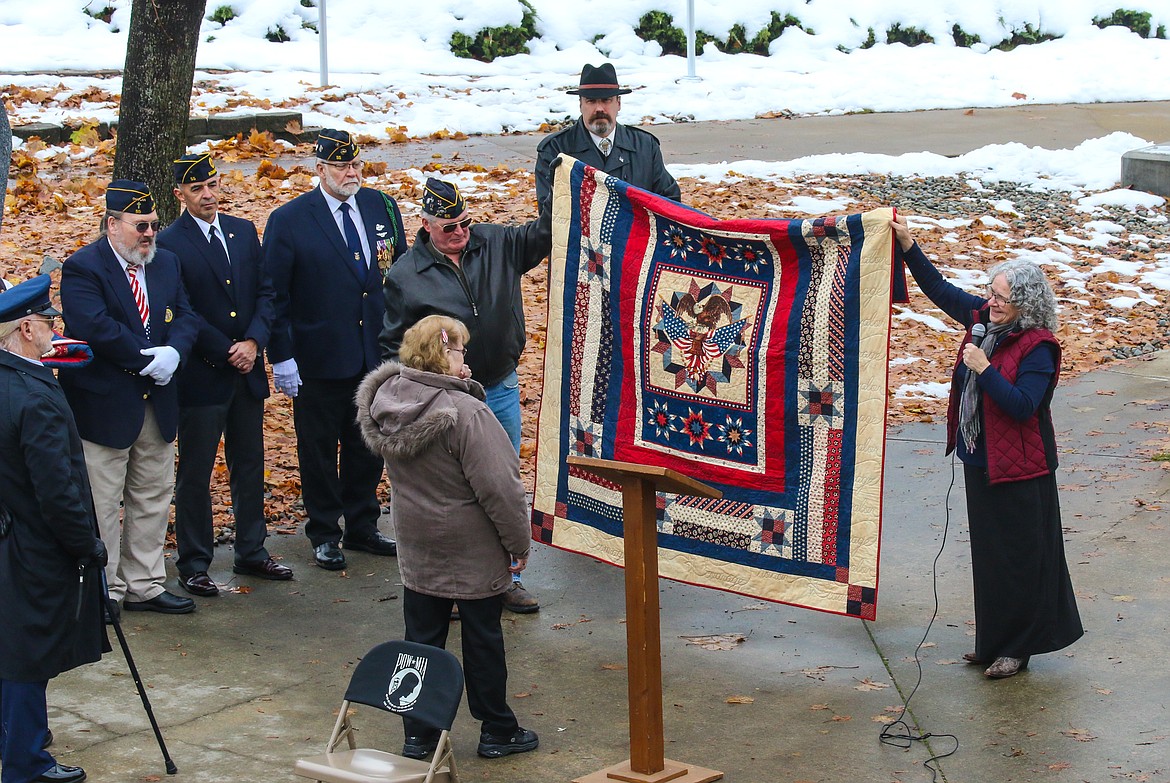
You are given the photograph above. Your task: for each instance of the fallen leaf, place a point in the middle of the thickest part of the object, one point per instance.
(869, 685)
(613, 667)
(842, 718)
(740, 700)
(725, 641)
(1125, 599)
(1080, 735)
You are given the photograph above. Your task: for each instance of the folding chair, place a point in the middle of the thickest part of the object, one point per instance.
(417, 681)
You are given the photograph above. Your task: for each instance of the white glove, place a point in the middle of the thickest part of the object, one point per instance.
(287, 377)
(163, 363)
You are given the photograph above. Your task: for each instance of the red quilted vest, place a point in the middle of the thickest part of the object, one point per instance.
(1015, 449)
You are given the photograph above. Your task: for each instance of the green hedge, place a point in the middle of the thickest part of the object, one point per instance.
(492, 42)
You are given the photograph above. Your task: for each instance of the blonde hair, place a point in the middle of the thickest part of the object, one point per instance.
(424, 347)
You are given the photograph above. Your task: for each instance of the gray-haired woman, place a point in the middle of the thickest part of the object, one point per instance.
(460, 516)
(1000, 424)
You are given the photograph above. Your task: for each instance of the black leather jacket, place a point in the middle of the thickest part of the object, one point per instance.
(483, 292)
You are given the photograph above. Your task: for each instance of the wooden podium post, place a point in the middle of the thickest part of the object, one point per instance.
(640, 483)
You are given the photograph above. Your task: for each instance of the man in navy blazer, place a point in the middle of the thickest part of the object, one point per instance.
(326, 253)
(223, 387)
(126, 299)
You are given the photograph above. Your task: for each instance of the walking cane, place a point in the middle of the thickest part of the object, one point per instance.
(171, 768)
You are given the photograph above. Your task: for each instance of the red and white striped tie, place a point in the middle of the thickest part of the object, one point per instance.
(139, 297)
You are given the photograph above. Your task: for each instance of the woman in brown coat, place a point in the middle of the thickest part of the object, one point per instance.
(460, 515)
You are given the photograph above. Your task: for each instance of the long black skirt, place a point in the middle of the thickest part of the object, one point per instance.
(1024, 602)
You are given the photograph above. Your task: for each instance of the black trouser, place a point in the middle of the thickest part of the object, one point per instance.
(240, 420)
(485, 671)
(334, 485)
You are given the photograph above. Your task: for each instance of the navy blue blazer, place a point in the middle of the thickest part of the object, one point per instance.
(328, 314)
(231, 308)
(108, 397)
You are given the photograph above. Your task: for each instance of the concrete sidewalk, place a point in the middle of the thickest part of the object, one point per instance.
(251, 681)
(948, 132)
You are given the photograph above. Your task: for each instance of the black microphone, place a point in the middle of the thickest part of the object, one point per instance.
(978, 330)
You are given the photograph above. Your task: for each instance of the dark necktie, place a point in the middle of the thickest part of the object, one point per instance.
(219, 253)
(352, 240)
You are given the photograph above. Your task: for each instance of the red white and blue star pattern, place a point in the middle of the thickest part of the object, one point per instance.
(748, 354)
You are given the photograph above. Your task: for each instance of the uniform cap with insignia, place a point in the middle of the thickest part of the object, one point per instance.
(28, 298)
(126, 195)
(336, 145)
(196, 167)
(442, 199)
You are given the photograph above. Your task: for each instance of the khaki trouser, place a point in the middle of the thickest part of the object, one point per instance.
(141, 479)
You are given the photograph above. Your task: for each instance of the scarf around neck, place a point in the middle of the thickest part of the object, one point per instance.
(969, 419)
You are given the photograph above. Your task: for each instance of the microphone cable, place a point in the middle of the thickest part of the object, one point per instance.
(899, 733)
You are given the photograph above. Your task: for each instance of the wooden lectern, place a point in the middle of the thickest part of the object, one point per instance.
(643, 635)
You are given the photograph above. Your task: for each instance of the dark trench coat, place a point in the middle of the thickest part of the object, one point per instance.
(49, 621)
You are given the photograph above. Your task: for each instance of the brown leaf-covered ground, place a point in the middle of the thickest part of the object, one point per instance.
(55, 206)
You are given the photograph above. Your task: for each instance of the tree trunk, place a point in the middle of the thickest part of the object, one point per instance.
(5, 158)
(156, 94)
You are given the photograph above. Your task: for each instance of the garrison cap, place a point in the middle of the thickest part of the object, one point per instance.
(126, 195)
(442, 199)
(192, 168)
(336, 145)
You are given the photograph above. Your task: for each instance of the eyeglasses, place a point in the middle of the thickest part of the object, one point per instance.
(450, 227)
(998, 298)
(460, 351)
(349, 165)
(142, 226)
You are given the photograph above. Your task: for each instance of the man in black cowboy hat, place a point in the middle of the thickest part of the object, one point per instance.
(50, 552)
(125, 297)
(326, 252)
(628, 153)
(223, 387)
(471, 271)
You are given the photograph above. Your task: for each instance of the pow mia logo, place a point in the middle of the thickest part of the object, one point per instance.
(406, 683)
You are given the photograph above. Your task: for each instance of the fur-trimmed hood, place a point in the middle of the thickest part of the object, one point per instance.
(402, 411)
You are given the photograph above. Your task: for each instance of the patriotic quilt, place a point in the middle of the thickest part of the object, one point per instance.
(747, 354)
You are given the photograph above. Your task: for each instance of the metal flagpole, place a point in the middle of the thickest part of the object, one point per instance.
(321, 41)
(690, 77)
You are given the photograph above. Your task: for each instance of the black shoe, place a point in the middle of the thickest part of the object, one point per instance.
(48, 739)
(59, 773)
(519, 741)
(167, 603)
(199, 583)
(375, 543)
(266, 569)
(113, 612)
(419, 746)
(329, 556)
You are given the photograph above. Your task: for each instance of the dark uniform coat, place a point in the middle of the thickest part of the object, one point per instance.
(49, 623)
(635, 158)
(483, 292)
(328, 315)
(109, 397)
(232, 307)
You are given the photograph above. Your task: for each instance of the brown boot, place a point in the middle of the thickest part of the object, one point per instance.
(519, 600)
(1006, 667)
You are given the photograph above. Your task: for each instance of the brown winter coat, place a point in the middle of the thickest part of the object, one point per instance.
(460, 514)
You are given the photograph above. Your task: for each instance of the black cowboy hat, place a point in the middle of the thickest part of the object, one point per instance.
(599, 82)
